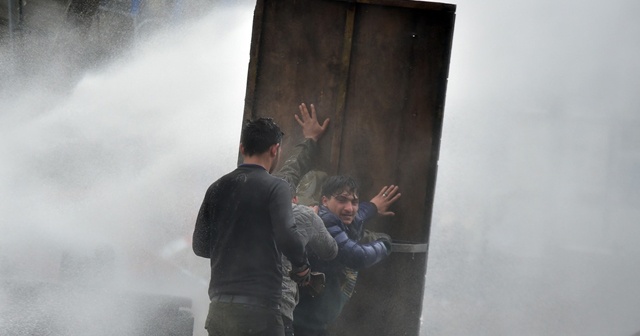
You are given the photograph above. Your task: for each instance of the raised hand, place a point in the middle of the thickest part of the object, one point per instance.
(387, 196)
(311, 128)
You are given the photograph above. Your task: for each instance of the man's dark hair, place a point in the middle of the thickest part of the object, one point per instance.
(338, 184)
(260, 134)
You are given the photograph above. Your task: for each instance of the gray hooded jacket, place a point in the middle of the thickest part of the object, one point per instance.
(317, 239)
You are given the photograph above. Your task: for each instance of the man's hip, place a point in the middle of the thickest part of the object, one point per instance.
(240, 316)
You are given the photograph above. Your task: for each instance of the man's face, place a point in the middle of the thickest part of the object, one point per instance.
(344, 205)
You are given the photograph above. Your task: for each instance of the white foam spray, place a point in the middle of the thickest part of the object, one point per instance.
(100, 181)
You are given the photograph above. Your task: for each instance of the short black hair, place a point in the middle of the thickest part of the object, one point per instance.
(260, 134)
(338, 184)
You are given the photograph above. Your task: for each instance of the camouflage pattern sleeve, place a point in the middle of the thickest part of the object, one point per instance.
(299, 162)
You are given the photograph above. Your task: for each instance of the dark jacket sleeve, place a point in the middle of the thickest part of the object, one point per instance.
(287, 235)
(367, 210)
(202, 239)
(299, 162)
(351, 253)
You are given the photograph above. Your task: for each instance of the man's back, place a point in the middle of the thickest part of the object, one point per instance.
(243, 225)
(242, 215)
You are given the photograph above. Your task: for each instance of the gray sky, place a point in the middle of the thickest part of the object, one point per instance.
(535, 221)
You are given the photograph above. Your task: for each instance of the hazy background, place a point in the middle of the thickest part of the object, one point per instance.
(535, 222)
(536, 219)
(107, 168)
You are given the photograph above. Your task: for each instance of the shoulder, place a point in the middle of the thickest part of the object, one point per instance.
(307, 218)
(278, 185)
(303, 211)
(332, 222)
(222, 181)
(326, 215)
(262, 177)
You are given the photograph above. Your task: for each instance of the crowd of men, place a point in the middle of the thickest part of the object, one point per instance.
(279, 267)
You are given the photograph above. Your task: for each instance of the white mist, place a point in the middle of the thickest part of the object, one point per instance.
(111, 170)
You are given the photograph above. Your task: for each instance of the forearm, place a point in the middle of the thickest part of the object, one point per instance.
(358, 256)
(350, 252)
(299, 162)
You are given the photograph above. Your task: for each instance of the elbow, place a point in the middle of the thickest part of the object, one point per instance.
(329, 250)
(366, 257)
(329, 254)
(333, 251)
(333, 254)
(200, 251)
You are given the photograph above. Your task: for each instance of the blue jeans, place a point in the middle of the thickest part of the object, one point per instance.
(236, 319)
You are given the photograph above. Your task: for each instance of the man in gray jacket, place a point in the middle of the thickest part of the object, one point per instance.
(317, 239)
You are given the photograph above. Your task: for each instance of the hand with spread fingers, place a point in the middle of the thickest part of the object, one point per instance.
(311, 128)
(387, 196)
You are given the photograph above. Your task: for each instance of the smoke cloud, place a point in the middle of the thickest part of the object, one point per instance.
(103, 171)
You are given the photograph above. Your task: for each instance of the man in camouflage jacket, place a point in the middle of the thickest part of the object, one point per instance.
(317, 239)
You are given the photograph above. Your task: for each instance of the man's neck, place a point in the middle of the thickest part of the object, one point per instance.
(261, 160)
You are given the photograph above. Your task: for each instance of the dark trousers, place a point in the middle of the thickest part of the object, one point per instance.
(288, 326)
(236, 319)
(310, 332)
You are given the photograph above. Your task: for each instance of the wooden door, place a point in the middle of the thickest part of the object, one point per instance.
(378, 69)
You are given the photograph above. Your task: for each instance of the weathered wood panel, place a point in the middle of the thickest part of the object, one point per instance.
(379, 70)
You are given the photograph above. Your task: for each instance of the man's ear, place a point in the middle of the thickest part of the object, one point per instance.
(241, 149)
(324, 200)
(273, 150)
